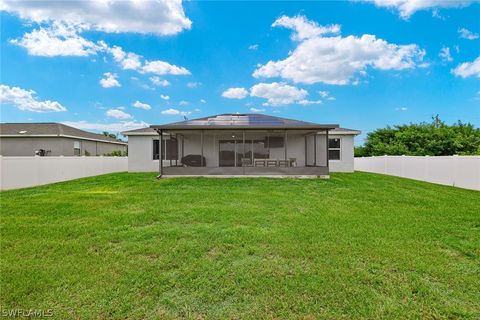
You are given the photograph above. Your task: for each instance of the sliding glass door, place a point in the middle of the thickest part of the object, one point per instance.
(227, 153)
(231, 152)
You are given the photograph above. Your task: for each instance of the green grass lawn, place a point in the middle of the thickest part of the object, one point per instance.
(355, 246)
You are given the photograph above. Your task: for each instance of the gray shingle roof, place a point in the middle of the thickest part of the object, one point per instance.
(243, 121)
(50, 129)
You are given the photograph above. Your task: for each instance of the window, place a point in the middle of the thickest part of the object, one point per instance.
(169, 145)
(334, 149)
(156, 148)
(76, 148)
(275, 142)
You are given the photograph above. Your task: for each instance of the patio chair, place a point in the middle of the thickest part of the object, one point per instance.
(283, 163)
(246, 162)
(259, 162)
(271, 162)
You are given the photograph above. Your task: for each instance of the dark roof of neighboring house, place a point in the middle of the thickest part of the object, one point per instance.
(243, 121)
(51, 129)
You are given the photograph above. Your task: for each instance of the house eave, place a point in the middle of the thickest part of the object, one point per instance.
(345, 133)
(249, 127)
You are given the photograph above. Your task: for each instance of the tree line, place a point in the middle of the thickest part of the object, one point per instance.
(434, 138)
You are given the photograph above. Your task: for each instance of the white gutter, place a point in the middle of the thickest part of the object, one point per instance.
(140, 133)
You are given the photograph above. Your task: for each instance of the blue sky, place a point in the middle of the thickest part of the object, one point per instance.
(361, 64)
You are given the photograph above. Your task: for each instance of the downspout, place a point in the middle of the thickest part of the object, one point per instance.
(201, 138)
(160, 149)
(243, 156)
(328, 156)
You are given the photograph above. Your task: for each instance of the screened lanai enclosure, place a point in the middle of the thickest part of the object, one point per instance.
(243, 144)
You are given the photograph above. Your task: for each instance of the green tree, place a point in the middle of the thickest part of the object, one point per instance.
(434, 139)
(108, 134)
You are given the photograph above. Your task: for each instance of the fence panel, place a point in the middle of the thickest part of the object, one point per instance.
(21, 172)
(458, 171)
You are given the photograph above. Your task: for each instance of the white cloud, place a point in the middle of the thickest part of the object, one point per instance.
(235, 93)
(203, 101)
(278, 93)
(253, 47)
(436, 14)
(62, 40)
(408, 7)
(193, 85)
(118, 114)
(401, 109)
(26, 100)
(331, 98)
(304, 28)
(146, 87)
(255, 110)
(158, 17)
(183, 103)
(445, 54)
(162, 68)
(337, 60)
(61, 23)
(110, 127)
(468, 69)
(140, 105)
(128, 61)
(109, 80)
(172, 111)
(165, 97)
(159, 82)
(56, 40)
(306, 102)
(323, 94)
(467, 34)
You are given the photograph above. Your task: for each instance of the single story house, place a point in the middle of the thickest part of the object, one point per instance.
(241, 144)
(54, 139)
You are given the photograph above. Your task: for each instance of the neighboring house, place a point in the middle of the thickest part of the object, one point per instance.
(54, 139)
(241, 144)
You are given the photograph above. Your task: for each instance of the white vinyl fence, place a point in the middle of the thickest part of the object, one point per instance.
(21, 172)
(458, 171)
